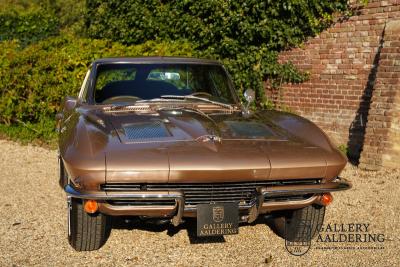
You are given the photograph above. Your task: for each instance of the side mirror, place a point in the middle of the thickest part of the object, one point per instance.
(70, 103)
(59, 116)
(250, 96)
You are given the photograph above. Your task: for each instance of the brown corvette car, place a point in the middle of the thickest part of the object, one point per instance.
(166, 139)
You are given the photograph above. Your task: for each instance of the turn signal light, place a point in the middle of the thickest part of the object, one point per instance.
(326, 199)
(91, 206)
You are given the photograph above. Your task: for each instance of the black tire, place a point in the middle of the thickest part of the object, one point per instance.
(298, 225)
(86, 232)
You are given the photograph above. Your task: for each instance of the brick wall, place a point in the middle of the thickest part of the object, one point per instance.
(354, 88)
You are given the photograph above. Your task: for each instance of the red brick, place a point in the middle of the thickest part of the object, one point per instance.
(335, 92)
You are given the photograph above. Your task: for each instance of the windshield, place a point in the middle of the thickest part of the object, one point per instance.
(127, 83)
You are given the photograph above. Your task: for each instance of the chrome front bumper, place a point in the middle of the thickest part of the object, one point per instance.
(179, 210)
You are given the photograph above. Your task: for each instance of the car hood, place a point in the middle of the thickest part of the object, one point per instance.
(187, 145)
(190, 125)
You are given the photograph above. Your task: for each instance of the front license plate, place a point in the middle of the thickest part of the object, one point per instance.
(217, 219)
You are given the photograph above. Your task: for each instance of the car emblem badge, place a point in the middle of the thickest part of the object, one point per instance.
(218, 214)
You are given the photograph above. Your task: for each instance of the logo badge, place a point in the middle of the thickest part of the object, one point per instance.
(218, 214)
(298, 239)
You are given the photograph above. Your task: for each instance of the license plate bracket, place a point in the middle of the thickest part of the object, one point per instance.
(217, 219)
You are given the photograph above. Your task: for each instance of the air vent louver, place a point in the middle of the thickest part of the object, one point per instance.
(249, 129)
(145, 130)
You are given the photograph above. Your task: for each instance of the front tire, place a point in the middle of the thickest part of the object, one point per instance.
(86, 232)
(298, 225)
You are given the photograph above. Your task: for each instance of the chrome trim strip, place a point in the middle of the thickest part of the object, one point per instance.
(290, 204)
(338, 184)
(95, 195)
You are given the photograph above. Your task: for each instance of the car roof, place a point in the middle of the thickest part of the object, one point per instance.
(162, 60)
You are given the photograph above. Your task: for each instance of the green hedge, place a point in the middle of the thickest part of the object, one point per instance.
(227, 27)
(246, 34)
(44, 62)
(27, 27)
(35, 79)
(33, 20)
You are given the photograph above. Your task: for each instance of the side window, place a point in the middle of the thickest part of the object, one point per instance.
(84, 88)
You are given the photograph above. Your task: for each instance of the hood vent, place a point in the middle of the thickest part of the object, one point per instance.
(249, 129)
(145, 130)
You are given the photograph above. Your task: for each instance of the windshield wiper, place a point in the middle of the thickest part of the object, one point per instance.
(119, 106)
(184, 97)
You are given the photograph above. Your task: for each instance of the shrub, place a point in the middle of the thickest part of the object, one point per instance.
(246, 34)
(32, 20)
(27, 27)
(35, 79)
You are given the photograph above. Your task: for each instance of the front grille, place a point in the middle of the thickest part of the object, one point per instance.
(202, 193)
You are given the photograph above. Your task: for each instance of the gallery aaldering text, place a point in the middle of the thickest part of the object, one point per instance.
(351, 232)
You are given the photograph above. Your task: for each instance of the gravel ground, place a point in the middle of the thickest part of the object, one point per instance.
(33, 225)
